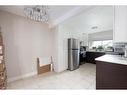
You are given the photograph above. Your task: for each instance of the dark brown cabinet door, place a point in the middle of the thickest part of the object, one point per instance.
(111, 76)
(90, 56)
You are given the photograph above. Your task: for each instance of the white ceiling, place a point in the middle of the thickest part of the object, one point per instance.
(100, 16)
(78, 18)
(56, 13)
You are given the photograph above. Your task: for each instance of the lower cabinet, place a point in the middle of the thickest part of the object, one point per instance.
(111, 75)
(90, 56)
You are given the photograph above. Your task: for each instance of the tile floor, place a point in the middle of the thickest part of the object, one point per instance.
(82, 78)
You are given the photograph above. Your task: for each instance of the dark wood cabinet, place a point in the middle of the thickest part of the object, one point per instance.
(82, 58)
(90, 56)
(111, 75)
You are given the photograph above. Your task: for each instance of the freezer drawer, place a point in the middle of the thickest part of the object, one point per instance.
(73, 59)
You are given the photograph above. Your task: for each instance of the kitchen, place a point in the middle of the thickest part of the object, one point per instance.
(93, 31)
(106, 35)
(98, 61)
(61, 47)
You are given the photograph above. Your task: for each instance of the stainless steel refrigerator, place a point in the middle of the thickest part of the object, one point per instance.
(73, 53)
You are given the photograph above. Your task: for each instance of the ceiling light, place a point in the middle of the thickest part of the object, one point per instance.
(37, 13)
(94, 27)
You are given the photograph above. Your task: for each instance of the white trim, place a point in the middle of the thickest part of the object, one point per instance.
(22, 76)
(73, 12)
(67, 15)
(113, 24)
(99, 31)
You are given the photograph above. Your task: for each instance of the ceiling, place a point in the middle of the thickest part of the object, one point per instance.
(57, 13)
(96, 19)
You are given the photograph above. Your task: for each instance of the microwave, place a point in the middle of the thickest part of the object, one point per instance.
(119, 48)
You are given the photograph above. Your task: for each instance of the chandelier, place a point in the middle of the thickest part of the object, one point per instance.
(37, 13)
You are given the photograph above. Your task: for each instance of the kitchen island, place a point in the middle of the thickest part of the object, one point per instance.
(111, 72)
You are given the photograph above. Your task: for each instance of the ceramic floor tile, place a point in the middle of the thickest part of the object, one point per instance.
(82, 78)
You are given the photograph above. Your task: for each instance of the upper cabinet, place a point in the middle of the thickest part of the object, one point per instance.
(120, 24)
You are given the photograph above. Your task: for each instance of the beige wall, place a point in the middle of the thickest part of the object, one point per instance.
(55, 48)
(25, 40)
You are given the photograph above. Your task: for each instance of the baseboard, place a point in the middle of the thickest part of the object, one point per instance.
(22, 76)
(28, 75)
(61, 70)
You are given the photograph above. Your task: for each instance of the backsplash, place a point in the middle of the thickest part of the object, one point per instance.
(119, 47)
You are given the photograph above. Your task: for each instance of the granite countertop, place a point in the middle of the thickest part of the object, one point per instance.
(116, 59)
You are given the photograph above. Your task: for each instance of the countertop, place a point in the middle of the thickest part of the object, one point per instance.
(106, 52)
(95, 51)
(116, 59)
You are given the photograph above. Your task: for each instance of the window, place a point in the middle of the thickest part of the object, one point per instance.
(103, 44)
